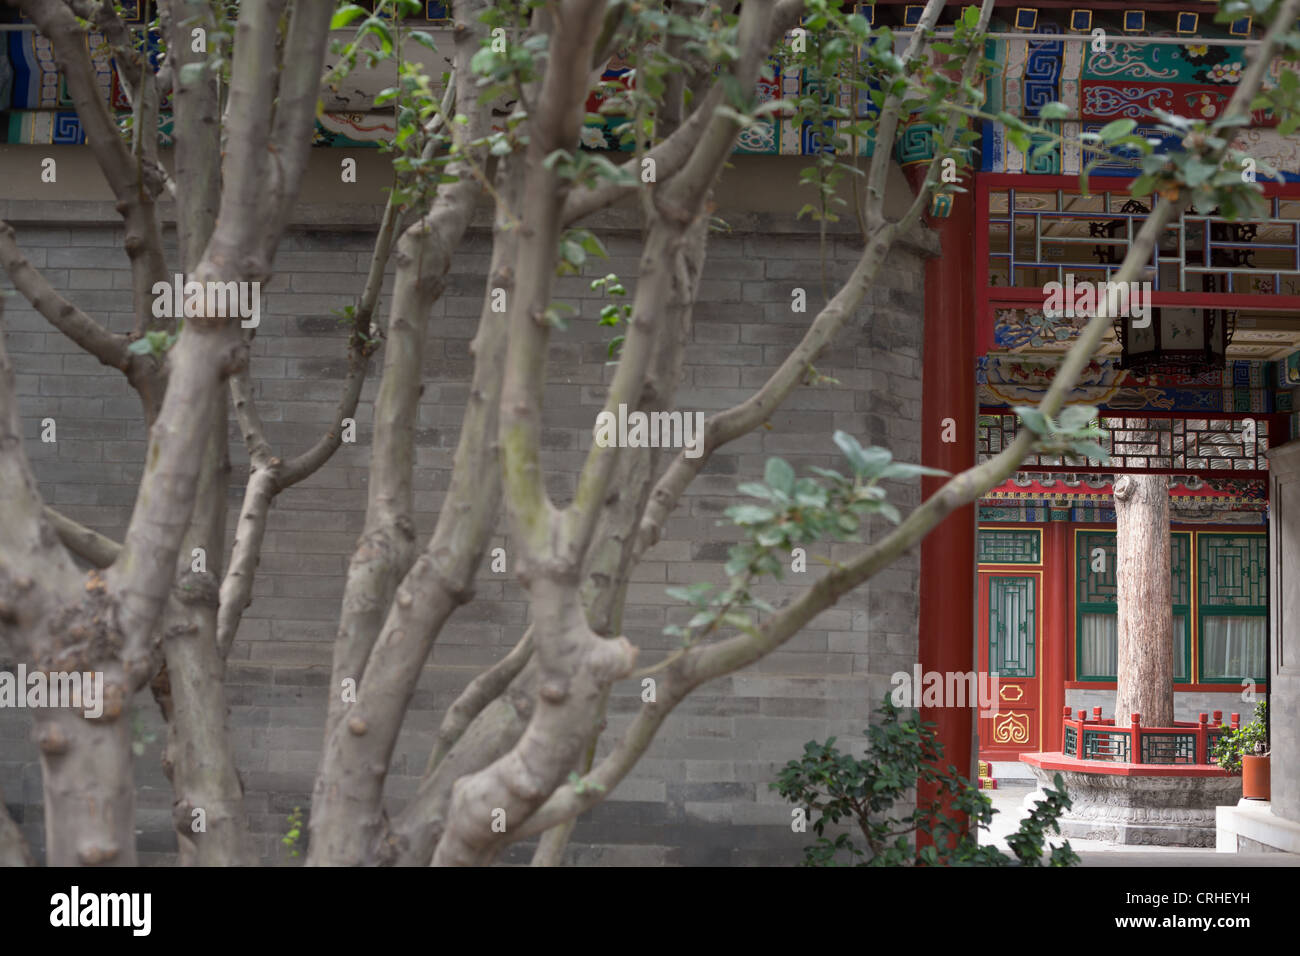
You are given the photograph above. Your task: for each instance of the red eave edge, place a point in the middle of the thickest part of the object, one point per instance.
(1059, 761)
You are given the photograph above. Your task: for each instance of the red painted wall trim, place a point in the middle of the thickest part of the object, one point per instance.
(947, 582)
(1055, 639)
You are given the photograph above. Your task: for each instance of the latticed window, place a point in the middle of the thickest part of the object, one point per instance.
(1039, 235)
(1012, 619)
(1232, 592)
(1145, 443)
(1097, 612)
(1010, 546)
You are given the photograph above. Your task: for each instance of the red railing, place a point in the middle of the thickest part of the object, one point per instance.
(1100, 738)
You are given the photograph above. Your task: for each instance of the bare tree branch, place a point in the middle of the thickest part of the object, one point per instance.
(480, 692)
(196, 126)
(82, 541)
(134, 202)
(236, 246)
(109, 347)
(270, 475)
(295, 113)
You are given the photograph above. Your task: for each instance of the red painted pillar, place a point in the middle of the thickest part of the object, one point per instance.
(948, 565)
(1055, 639)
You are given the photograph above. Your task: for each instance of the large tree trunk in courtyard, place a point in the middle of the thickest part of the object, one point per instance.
(1146, 622)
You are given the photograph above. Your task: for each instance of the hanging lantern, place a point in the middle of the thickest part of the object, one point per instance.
(1177, 340)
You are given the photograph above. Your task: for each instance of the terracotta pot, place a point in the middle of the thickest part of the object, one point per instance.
(1254, 777)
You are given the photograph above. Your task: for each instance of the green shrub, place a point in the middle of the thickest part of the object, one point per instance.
(836, 786)
(1250, 739)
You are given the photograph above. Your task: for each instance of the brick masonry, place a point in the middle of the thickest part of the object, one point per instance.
(701, 794)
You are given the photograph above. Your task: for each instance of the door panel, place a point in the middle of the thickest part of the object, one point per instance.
(1010, 619)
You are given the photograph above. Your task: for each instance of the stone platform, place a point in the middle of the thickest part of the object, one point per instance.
(1132, 804)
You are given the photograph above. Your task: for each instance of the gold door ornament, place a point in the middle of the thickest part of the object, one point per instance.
(1011, 728)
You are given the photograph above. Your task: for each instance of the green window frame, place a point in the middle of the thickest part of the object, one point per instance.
(1095, 594)
(1010, 546)
(1013, 623)
(1231, 582)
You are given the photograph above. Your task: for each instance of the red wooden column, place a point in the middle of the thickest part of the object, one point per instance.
(1058, 568)
(948, 565)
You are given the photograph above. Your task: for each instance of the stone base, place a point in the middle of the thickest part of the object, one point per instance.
(1135, 809)
(1250, 826)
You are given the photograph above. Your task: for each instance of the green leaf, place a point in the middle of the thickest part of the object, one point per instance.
(756, 490)
(900, 469)
(890, 512)
(1195, 172)
(750, 514)
(1034, 420)
(1089, 449)
(345, 15)
(380, 29)
(696, 593)
(1114, 130)
(866, 462)
(594, 247)
(555, 318)
(1075, 417)
(740, 622)
(1053, 111)
(779, 475)
(192, 73)
(572, 252)
(422, 38)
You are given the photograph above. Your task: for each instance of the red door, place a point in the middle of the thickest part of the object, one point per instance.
(1010, 644)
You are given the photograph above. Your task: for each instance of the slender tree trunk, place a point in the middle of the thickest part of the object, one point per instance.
(203, 772)
(1146, 623)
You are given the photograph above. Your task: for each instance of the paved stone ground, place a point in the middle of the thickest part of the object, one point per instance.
(1008, 802)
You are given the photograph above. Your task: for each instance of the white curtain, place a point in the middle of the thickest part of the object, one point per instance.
(1098, 645)
(1180, 648)
(1233, 647)
(1099, 642)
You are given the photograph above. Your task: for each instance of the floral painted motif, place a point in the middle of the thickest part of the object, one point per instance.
(1225, 72)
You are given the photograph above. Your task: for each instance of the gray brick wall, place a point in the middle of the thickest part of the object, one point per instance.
(700, 795)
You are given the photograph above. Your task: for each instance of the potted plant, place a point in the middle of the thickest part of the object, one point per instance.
(1245, 751)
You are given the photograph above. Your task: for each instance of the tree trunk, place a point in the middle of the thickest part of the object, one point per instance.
(88, 786)
(203, 771)
(1143, 583)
